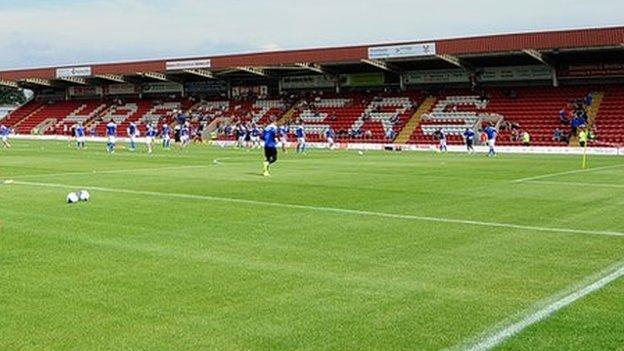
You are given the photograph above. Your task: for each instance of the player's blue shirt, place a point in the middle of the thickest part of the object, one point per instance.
(441, 135)
(80, 132)
(184, 131)
(255, 132)
(269, 136)
(329, 133)
(111, 129)
(166, 130)
(151, 131)
(241, 132)
(491, 132)
(283, 130)
(132, 128)
(4, 131)
(469, 134)
(300, 132)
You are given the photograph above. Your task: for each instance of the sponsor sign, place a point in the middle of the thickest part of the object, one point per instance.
(593, 70)
(306, 82)
(188, 64)
(122, 89)
(213, 86)
(363, 79)
(261, 90)
(157, 88)
(490, 74)
(71, 72)
(85, 91)
(400, 51)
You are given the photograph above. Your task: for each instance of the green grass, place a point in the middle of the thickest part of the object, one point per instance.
(131, 271)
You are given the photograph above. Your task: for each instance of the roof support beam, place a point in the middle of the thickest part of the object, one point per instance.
(200, 72)
(8, 83)
(382, 65)
(540, 57)
(314, 67)
(75, 80)
(253, 70)
(112, 77)
(153, 75)
(546, 61)
(456, 61)
(38, 81)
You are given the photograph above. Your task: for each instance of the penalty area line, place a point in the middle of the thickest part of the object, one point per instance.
(549, 175)
(546, 309)
(328, 209)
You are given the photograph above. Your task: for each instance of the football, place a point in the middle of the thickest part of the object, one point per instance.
(72, 198)
(84, 195)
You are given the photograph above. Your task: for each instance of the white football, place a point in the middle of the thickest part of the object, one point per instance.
(72, 198)
(84, 195)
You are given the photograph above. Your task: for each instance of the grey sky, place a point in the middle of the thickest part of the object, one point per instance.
(39, 33)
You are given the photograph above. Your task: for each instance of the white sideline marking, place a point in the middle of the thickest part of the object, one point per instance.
(113, 171)
(564, 173)
(553, 305)
(328, 209)
(589, 185)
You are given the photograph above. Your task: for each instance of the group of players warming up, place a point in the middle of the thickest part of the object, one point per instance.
(489, 133)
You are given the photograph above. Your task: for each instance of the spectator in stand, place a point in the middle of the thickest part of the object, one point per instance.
(526, 139)
(577, 123)
(564, 116)
(557, 135)
(589, 99)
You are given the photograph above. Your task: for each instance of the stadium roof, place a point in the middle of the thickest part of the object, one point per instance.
(519, 48)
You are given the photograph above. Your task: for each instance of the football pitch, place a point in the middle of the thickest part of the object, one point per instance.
(194, 250)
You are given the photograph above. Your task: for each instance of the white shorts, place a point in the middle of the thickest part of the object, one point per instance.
(80, 139)
(301, 140)
(241, 139)
(184, 138)
(443, 142)
(283, 140)
(112, 139)
(5, 138)
(492, 142)
(330, 140)
(255, 139)
(149, 140)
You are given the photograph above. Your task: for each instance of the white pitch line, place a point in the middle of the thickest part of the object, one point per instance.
(546, 310)
(564, 173)
(330, 209)
(113, 171)
(589, 185)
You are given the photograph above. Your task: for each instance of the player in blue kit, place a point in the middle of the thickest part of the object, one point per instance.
(330, 136)
(442, 140)
(270, 146)
(283, 137)
(150, 134)
(491, 133)
(165, 134)
(469, 136)
(301, 142)
(4, 133)
(80, 136)
(185, 135)
(255, 137)
(133, 133)
(111, 133)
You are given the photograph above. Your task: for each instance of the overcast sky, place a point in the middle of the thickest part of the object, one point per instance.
(39, 33)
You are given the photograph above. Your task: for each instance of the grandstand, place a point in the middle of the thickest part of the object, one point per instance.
(381, 94)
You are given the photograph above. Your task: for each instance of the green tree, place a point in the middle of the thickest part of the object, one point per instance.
(11, 96)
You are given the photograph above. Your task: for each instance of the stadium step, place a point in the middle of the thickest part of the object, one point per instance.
(414, 121)
(288, 116)
(593, 113)
(17, 124)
